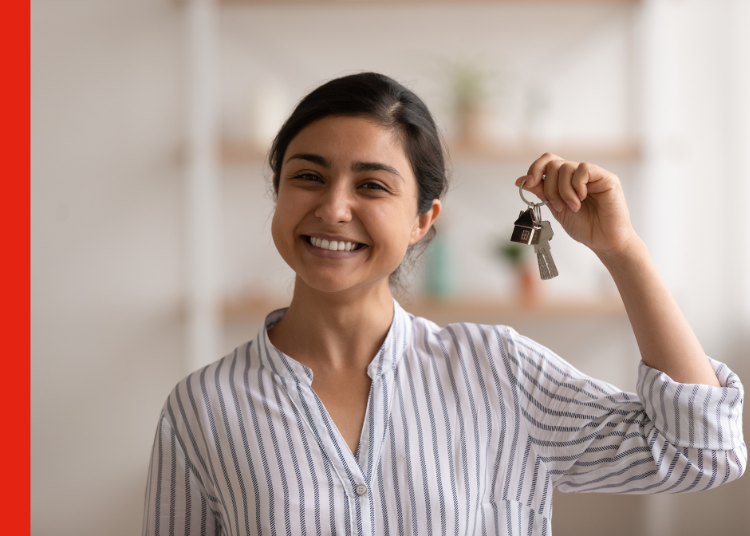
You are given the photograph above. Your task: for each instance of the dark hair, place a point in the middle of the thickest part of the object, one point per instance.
(390, 104)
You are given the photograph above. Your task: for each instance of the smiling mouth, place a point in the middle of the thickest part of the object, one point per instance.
(333, 245)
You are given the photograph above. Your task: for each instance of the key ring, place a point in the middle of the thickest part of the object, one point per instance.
(532, 205)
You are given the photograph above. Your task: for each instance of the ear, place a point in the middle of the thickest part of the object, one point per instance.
(425, 221)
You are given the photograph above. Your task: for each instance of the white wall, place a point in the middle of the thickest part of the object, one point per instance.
(106, 255)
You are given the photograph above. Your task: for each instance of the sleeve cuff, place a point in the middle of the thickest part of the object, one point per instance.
(691, 415)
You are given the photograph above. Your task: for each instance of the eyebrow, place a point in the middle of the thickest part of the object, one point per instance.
(375, 166)
(357, 167)
(310, 157)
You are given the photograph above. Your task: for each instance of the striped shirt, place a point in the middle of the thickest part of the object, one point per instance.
(467, 429)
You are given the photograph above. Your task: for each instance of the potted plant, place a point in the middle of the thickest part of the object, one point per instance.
(469, 93)
(527, 277)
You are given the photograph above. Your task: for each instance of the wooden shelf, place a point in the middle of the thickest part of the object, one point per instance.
(242, 153)
(236, 153)
(626, 150)
(484, 310)
(397, 2)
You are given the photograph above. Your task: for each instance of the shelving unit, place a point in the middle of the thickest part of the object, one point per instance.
(206, 153)
(237, 153)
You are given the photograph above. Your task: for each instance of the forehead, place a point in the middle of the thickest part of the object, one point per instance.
(343, 140)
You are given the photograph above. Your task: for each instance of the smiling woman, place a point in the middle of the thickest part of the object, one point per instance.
(405, 132)
(347, 174)
(348, 415)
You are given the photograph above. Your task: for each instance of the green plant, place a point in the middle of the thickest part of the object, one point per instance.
(514, 254)
(468, 85)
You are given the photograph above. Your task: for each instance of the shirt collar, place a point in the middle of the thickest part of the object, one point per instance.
(399, 337)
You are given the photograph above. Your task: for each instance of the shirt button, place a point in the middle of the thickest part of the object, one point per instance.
(361, 489)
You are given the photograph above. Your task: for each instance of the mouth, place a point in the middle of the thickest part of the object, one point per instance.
(332, 245)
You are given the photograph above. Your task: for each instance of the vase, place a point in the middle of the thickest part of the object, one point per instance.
(529, 285)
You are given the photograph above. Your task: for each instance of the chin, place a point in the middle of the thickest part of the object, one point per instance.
(335, 284)
(325, 284)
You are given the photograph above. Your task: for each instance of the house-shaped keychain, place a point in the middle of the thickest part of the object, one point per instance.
(525, 231)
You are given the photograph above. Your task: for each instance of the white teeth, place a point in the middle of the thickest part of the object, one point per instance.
(333, 245)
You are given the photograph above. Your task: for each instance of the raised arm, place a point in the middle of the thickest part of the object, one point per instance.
(589, 204)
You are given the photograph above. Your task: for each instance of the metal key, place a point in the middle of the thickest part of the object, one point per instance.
(547, 268)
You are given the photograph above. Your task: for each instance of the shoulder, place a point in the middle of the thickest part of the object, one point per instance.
(495, 345)
(463, 335)
(193, 401)
(462, 340)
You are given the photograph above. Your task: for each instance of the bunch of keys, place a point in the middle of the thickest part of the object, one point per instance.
(532, 231)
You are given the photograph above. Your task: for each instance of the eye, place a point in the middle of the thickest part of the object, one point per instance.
(308, 177)
(373, 186)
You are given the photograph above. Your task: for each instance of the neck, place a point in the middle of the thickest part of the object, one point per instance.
(332, 331)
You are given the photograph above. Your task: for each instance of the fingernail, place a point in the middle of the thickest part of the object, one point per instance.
(572, 206)
(558, 206)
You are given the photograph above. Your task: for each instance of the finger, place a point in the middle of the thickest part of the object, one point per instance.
(581, 178)
(567, 192)
(538, 168)
(551, 188)
(601, 180)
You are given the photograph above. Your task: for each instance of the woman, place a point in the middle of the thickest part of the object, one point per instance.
(348, 415)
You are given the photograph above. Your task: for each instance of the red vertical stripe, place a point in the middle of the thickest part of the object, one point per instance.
(14, 226)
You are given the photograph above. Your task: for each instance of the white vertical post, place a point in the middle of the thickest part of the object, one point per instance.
(658, 186)
(737, 188)
(660, 173)
(203, 195)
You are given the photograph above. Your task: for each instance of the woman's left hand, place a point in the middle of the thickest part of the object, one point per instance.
(587, 201)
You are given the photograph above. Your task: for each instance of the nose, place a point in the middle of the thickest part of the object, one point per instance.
(335, 205)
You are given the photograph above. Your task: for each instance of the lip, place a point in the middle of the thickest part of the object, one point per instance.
(327, 253)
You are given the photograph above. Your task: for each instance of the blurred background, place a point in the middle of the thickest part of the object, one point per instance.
(151, 251)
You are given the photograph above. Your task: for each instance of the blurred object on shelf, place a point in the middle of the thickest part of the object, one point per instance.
(444, 310)
(528, 281)
(439, 280)
(268, 110)
(242, 153)
(469, 93)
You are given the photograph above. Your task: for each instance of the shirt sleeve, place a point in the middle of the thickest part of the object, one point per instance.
(175, 501)
(669, 438)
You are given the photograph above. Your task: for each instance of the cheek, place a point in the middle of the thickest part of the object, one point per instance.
(393, 226)
(281, 221)
(276, 233)
(275, 219)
